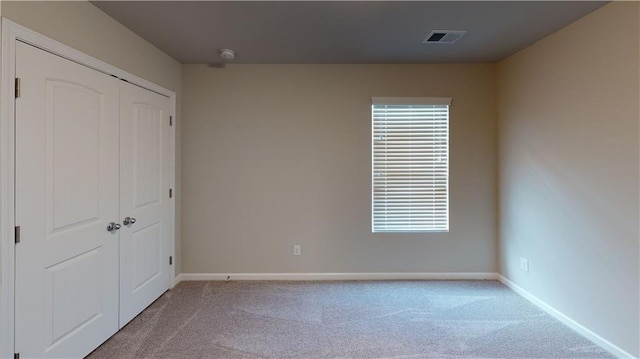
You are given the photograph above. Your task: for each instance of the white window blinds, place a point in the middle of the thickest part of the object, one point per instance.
(410, 164)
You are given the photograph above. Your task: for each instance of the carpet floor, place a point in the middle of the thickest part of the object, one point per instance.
(359, 319)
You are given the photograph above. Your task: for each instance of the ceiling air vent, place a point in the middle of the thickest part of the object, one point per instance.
(443, 36)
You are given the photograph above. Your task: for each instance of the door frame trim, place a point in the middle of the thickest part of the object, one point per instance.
(11, 33)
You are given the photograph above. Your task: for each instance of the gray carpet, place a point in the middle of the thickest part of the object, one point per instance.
(364, 319)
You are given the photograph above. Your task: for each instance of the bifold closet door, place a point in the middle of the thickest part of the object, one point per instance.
(67, 177)
(145, 204)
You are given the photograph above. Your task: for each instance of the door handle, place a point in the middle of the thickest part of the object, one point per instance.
(113, 226)
(128, 220)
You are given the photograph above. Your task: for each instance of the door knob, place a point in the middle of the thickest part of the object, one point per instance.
(113, 226)
(129, 220)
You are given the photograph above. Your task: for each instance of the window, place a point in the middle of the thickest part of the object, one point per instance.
(410, 170)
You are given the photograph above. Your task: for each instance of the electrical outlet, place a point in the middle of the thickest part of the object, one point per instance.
(524, 264)
(297, 249)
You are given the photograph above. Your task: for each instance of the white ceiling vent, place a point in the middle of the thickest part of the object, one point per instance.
(443, 36)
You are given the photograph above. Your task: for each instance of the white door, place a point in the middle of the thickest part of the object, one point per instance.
(67, 168)
(145, 168)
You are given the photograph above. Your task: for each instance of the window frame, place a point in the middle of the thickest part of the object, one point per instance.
(411, 101)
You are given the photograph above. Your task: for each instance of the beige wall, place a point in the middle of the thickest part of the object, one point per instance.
(4, 336)
(84, 27)
(276, 155)
(569, 156)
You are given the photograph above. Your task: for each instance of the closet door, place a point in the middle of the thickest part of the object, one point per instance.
(66, 290)
(145, 206)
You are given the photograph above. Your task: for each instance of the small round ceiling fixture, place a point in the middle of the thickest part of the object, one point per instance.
(227, 54)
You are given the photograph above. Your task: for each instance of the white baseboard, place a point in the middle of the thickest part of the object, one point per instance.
(605, 344)
(336, 276)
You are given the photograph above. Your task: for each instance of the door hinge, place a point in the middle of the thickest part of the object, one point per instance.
(170, 260)
(16, 355)
(17, 234)
(17, 89)
(170, 192)
(170, 120)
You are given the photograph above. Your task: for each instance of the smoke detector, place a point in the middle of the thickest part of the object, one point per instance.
(227, 54)
(443, 36)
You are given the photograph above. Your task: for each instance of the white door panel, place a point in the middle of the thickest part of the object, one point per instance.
(66, 192)
(144, 195)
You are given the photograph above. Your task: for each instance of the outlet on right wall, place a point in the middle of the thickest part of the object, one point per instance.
(569, 158)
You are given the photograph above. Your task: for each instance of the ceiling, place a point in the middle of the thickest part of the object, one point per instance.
(343, 31)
